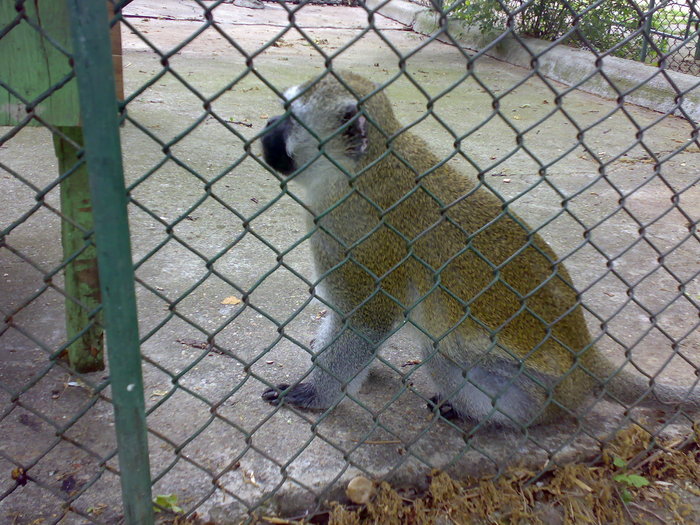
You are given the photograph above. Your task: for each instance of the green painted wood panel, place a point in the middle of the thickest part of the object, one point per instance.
(31, 63)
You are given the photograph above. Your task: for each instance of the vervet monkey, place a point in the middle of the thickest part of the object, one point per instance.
(400, 237)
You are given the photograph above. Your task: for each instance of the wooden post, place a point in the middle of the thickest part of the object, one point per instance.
(84, 319)
(116, 39)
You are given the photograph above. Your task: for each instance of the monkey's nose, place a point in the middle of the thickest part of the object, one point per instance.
(274, 145)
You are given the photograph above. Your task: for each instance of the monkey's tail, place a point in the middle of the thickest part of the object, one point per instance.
(633, 389)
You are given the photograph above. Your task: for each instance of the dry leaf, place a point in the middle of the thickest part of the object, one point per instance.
(231, 300)
(249, 477)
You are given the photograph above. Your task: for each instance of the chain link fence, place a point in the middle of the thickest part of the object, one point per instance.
(228, 302)
(663, 33)
(668, 29)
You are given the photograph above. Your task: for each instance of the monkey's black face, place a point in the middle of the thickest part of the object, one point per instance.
(274, 143)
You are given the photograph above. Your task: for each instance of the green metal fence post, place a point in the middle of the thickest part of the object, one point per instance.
(696, 21)
(93, 65)
(647, 32)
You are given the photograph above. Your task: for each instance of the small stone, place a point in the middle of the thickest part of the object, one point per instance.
(360, 490)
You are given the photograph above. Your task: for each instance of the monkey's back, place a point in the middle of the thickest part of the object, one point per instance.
(475, 266)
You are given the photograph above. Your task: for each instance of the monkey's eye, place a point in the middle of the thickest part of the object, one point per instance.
(349, 113)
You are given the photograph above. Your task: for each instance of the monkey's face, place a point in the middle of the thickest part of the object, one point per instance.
(323, 127)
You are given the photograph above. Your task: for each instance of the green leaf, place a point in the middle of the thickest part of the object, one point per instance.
(621, 478)
(167, 502)
(626, 496)
(633, 480)
(637, 481)
(619, 462)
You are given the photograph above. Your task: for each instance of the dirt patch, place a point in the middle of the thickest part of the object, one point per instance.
(633, 483)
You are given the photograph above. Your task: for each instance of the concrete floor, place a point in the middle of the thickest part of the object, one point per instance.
(251, 450)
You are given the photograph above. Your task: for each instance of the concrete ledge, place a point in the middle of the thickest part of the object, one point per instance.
(614, 78)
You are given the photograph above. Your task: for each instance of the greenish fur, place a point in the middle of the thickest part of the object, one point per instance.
(392, 250)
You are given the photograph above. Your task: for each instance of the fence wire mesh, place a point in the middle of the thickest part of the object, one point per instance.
(228, 302)
(659, 33)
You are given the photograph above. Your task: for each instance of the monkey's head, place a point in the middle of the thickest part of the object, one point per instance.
(330, 122)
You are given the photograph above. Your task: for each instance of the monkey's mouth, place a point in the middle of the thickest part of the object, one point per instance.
(274, 144)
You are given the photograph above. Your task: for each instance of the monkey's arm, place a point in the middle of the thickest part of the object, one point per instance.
(363, 296)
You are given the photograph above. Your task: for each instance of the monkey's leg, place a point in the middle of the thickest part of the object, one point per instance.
(341, 365)
(497, 392)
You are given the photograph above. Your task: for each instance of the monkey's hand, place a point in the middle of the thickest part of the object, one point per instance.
(444, 407)
(301, 395)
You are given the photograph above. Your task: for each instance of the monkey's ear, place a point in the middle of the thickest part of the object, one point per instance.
(356, 132)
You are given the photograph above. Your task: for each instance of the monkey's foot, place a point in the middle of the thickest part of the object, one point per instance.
(445, 408)
(301, 395)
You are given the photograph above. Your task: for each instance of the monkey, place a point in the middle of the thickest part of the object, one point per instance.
(400, 237)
